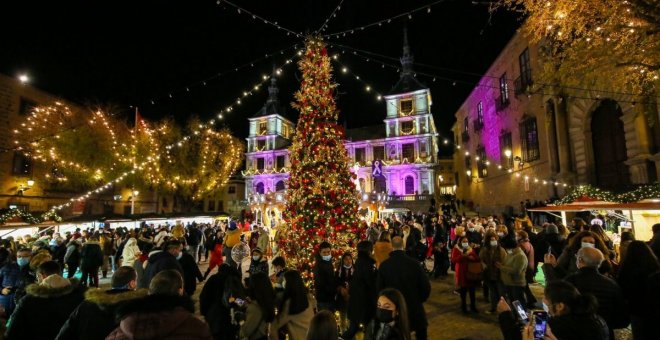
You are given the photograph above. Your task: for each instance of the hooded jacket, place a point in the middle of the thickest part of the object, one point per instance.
(130, 253)
(94, 318)
(91, 255)
(159, 262)
(45, 308)
(159, 317)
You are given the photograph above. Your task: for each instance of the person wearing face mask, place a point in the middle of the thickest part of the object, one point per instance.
(258, 263)
(46, 306)
(324, 278)
(566, 264)
(343, 276)
(362, 291)
(474, 236)
(391, 321)
(491, 254)
(11, 277)
(462, 255)
(191, 272)
(94, 318)
(572, 316)
(166, 259)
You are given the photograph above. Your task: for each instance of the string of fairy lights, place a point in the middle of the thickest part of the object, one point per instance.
(506, 168)
(207, 126)
(146, 165)
(362, 54)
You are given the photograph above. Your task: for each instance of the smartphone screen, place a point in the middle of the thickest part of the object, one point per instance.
(240, 302)
(520, 310)
(540, 322)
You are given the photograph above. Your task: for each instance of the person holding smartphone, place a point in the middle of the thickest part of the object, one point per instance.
(570, 315)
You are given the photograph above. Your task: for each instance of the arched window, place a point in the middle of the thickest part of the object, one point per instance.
(409, 185)
(362, 184)
(259, 188)
(279, 186)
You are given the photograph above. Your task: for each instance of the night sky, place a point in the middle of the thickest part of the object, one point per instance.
(131, 52)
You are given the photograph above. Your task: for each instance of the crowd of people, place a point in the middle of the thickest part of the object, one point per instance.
(378, 288)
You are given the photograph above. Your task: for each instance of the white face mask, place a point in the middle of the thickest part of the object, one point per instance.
(500, 234)
(493, 243)
(588, 245)
(509, 251)
(465, 245)
(471, 230)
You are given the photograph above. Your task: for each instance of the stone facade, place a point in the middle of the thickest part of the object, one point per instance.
(517, 140)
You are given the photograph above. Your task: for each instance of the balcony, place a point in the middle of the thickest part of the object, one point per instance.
(465, 136)
(478, 125)
(523, 84)
(501, 103)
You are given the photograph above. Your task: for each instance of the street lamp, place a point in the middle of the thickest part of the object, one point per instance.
(135, 193)
(25, 187)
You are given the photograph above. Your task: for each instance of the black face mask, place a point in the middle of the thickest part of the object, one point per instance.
(384, 315)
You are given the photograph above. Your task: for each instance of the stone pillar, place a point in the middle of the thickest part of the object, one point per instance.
(638, 147)
(562, 139)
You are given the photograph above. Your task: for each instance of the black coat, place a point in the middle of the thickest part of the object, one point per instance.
(405, 274)
(565, 327)
(42, 312)
(325, 284)
(362, 291)
(159, 262)
(191, 273)
(94, 318)
(389, 333)
(91, 256)
(611, 304)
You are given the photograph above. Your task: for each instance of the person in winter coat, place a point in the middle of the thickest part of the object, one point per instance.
(130, 253)
(407, 276)
(512, 271)
(492, 253)
(361, 291)
(214, 302)
(258, 263)
(566, 263)
(91, 259)
(391, 322)
(324, 278)
(166, 313)
(164, 260)
(191, 273)
(296, 309)
(526, 246)
(108, 249)
(572, 316)
(382, 248)
(47, 305)
(72, 257)
(611, 304)
(635, 273)
(10, 277)
(343, 276)
(260, 310)
(263, 242)
(216, 254)
(462, 254)
(94, 318)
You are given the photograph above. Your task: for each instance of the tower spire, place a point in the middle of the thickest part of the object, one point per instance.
(272, 89)
(407, 58)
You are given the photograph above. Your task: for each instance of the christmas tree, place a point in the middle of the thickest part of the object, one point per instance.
(322, 199)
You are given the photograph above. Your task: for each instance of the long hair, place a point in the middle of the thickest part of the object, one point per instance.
(295, 292)
(261, 290)
(402, 324)
(323, 327)
(576, 242)
(559, 291)
(638, 264)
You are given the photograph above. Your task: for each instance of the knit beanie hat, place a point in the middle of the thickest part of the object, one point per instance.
(551, 229)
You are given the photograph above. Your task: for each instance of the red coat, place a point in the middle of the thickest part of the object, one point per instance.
(216, 256)
(461, 262)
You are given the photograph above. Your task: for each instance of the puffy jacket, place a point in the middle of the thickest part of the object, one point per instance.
(513, 268)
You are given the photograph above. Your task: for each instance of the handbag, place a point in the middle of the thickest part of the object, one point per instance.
(474, 271)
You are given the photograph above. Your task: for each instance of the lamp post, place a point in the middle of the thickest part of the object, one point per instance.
(135, 193)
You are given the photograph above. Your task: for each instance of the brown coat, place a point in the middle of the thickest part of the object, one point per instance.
(159, 317)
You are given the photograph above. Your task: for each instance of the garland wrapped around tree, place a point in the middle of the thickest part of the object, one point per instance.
(321, 200)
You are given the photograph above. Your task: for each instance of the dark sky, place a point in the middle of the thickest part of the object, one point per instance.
(130, 52)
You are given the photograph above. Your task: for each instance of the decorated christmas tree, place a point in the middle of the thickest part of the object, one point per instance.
(321, 200)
